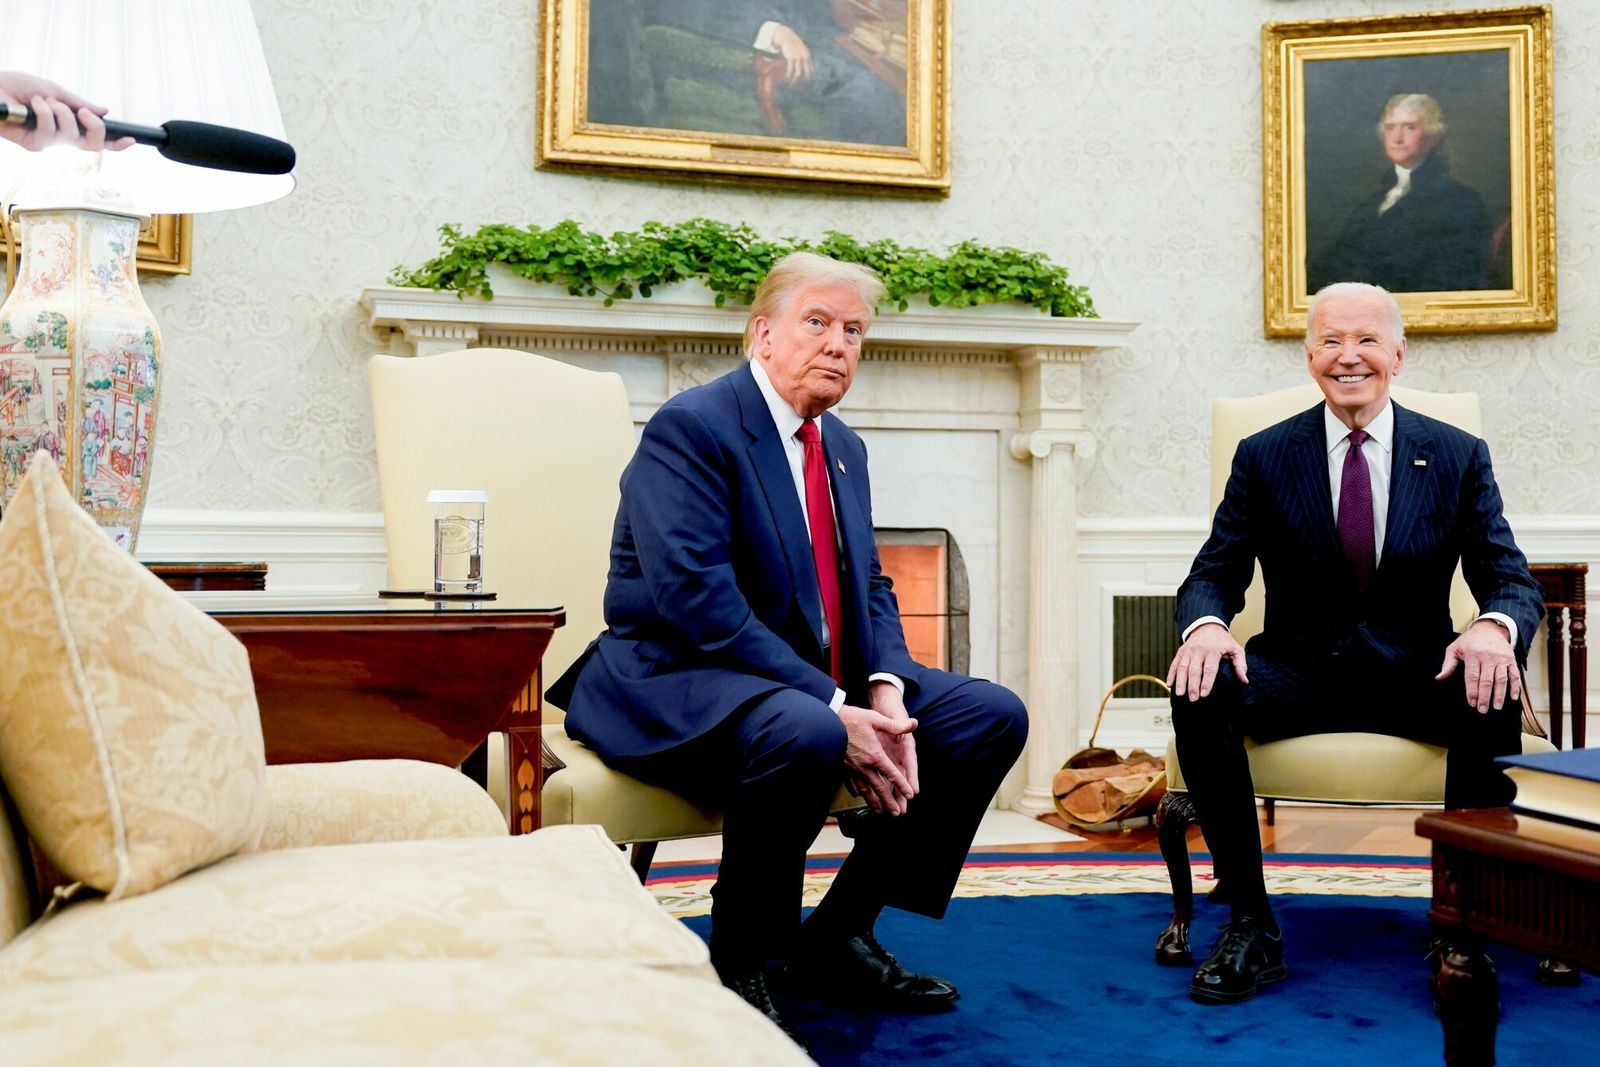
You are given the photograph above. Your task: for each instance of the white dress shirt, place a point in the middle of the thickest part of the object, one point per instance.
(788, 422)
(1378, 450)
(1401, 186)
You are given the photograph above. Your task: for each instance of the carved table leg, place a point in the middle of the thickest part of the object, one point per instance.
(1555, 647)
(1174, 815)
(1467, 998)
(1579, 629)
(524, 758)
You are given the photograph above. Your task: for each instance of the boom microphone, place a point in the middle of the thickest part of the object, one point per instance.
(200, 144)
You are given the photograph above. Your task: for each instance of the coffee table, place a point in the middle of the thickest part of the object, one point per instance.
(413, 679)
(1529, 883)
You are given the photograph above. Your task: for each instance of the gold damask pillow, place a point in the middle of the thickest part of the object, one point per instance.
(129, 735)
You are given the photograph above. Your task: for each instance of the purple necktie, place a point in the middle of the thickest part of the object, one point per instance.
(1355, 511)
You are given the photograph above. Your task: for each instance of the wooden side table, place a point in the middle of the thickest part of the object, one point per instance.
(227, 576)
(1563, 585)
(400, 679)
(1530, 883)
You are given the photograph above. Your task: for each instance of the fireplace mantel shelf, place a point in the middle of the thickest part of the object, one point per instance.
(978, 411)
(425, 313)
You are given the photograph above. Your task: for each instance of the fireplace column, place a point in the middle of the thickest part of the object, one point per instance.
(1052, 437)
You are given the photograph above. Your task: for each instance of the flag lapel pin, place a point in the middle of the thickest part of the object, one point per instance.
(840, 462)
(1419, 463)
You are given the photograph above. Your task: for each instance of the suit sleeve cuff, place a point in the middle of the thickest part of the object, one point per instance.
(1504, 620)
(1201, 621)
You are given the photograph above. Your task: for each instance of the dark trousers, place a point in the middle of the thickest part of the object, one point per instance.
(1353, 691)
(775, 765)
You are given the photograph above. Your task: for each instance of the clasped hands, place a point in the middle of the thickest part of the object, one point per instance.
(880, 753)
(1485, 650)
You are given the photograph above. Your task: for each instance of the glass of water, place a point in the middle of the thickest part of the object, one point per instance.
(458, 539)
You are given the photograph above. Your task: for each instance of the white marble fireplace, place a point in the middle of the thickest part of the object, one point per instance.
(974, 419)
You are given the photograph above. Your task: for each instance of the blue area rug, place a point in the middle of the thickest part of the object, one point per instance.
(1070, 979)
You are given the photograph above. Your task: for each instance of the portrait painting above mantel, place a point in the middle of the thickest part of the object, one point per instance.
(1413, 152)
(843, 92)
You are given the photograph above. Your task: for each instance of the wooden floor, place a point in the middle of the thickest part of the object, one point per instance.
(1299, 829)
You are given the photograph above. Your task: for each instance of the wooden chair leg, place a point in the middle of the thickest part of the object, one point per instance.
(1272, 810)
(644, 853)
(1174, 815)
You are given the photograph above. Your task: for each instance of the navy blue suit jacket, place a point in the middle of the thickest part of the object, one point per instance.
(1278, 509)
(712, 596)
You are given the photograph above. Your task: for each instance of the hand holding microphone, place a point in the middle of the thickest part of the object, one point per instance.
(51, 120)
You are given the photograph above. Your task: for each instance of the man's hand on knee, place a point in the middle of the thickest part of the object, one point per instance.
(871, 771)
(1490, 662)
(1194, 668)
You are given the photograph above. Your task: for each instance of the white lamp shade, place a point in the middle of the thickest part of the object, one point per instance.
(147, 62)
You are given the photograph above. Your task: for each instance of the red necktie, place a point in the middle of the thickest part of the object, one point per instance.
(1356, 529)
(824, 547)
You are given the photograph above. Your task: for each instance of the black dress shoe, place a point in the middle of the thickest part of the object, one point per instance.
(862, 972)
(1245, 959)
(753, 988)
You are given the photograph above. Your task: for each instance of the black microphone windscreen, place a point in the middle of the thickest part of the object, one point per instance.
(225, 148)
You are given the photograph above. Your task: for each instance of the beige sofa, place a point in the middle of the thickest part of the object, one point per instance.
(463, 941)
(217, 910)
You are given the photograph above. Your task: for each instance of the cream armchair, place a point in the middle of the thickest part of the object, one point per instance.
(1347, 768)
(548, 441)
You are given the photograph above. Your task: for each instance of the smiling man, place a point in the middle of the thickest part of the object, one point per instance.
(753, 658)
(1358, 512)
(1417, 229)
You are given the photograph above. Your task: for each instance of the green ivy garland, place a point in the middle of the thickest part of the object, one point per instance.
(731, 260)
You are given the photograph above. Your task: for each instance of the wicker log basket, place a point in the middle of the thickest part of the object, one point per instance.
(1097, 788)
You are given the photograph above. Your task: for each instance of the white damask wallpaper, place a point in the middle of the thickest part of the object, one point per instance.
(1121, 137)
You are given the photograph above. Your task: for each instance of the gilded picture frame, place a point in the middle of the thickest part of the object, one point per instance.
(851, 93)
(164, 244)
(1461, 103)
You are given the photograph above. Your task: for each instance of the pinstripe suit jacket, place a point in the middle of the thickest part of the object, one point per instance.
(1278, 509)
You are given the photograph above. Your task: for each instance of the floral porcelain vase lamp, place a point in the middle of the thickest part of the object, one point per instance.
(80, 354)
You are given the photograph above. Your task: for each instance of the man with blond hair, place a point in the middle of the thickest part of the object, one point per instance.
(1418, 229)
(753, 658)
(1358, 511)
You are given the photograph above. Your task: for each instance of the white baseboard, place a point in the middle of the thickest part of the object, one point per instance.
(341, 554)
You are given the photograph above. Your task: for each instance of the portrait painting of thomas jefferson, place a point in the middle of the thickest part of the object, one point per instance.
(1408, 172)
(809, 70)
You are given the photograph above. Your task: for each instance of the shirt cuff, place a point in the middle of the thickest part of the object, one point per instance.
(1504, 620)
(1201, 621)
(838, 701)
(893, 679)
(764, 36)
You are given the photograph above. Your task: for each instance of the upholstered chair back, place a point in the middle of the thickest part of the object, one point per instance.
(546, 439)
(1235, 418)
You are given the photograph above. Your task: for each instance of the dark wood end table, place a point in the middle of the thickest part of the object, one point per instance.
(408, 679)
(1563, 585)
(210, 576)
(1526, 882)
